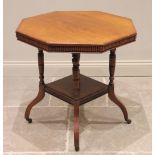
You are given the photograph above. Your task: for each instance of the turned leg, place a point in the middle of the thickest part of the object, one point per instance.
(111, 93)
(76, 82)
(76, 126)
(41, 92)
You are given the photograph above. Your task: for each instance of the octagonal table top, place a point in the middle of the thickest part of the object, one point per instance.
(79, 31)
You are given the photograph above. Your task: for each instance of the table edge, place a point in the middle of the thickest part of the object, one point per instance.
(71, 48)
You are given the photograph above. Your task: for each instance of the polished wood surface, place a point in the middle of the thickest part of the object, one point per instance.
(76, 89)
(76, 28)
(65, 89)
(76, 85)
(76, 70)
(76, 126)
(41, 92)
(76, 32)
(111, 93)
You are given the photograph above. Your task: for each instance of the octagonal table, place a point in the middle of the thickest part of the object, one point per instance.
(76, 32)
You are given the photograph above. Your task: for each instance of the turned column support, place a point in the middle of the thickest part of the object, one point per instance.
(112, 62)
(41, 92)
(76, 70)
(111, 93)
(76, 82)
(41, 66)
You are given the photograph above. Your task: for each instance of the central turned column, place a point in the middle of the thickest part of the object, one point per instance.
(76, 82)
(76, 70)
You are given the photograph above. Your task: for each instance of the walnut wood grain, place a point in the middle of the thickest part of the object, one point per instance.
(76, 31)
(65, 90)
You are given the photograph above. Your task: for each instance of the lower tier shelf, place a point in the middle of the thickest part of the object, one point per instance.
(64, 89)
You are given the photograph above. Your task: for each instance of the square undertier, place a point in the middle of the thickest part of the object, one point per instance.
(64, 89)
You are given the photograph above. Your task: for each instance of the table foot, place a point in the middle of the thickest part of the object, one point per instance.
(38, 98)
(128, 121)
(76, 126)
(29, 120)
(113, 98)
(77, 148)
